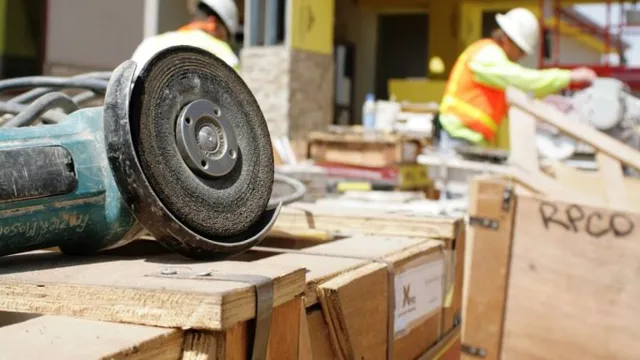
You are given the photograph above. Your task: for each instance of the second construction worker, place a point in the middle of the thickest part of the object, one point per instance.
(212, 28)
(474, 102)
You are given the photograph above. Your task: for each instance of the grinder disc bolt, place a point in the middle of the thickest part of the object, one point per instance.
(206, 139)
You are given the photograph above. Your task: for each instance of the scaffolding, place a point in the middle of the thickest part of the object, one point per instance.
(611, 33)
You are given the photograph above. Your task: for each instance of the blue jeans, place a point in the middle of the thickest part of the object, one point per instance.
(447, 144)
(446, 149)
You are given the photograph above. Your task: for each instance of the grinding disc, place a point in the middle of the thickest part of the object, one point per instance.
(212, 205)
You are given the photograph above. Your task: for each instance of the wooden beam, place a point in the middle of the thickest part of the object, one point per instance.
(582, 132)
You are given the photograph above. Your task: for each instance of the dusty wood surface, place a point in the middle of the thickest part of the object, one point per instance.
(573, 285)
(373, 221)
(118, 289)
(64, 338)
(323, 267)
(356, 305)
(487, 266)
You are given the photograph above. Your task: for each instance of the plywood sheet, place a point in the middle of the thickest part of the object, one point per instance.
(63, 338)
(119, 289)
(573, 287)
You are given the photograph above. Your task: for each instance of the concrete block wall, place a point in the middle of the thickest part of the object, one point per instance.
(311, 98)
(266, 70)
(294, 88)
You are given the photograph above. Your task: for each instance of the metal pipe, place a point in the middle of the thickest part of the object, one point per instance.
(271, 22)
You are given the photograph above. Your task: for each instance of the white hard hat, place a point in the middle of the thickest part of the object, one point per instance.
(521, 26)
(227, 10)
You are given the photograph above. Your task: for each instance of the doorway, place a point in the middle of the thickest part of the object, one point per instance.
(402, 49)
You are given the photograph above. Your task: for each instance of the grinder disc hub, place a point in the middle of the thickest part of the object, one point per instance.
(206, 140)
(186, 105)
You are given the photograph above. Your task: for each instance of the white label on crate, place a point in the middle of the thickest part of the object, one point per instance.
(418, 293)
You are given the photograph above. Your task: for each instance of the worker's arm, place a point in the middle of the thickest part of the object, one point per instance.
(492, 67)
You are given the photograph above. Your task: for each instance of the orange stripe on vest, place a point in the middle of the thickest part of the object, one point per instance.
(479, 107)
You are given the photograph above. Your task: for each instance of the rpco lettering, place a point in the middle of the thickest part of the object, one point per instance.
(575, 219)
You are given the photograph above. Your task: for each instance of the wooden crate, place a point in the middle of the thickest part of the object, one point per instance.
(332, 295)
(348, 288)
(351, 147)
(552, 254)
(449, 231)
(549, 279)
(123, 307)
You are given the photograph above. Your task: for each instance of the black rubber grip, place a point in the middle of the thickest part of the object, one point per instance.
(36, 172)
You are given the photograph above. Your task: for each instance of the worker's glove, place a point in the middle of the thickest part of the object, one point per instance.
(583, 76)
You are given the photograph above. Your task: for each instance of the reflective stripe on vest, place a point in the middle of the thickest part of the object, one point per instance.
(487, 126)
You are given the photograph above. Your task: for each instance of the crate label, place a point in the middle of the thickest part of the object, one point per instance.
(418, 293)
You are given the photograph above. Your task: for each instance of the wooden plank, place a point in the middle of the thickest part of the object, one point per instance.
(455, 254)
(448, 348)
(522, 132)
(78, 339)
(305, 351)
(319, 335)
(373, 221)
(118, 289)
(589, 182)
(612, 176)
(573, 288)
(486, 267)
(582, 132)
(356, 305)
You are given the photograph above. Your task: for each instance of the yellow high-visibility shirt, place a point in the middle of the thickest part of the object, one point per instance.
(492, 68)
(196, 38)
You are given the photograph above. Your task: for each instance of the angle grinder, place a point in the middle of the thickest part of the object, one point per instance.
(180, 150)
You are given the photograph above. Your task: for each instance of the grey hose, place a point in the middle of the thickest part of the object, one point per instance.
(40, 106)
(50, 117)
(96, 85)
(84, 97)
(37, 92)
(299, 190)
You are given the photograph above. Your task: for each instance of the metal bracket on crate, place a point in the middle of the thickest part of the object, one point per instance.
(264, 300)
(507, 195)
(484, 222)
(474, 351)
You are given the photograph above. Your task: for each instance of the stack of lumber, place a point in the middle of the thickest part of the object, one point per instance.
(364, 296)
(552, 255)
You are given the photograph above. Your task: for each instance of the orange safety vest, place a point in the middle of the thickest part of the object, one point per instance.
(480, 108)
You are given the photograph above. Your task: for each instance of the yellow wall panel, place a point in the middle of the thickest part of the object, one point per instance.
(312, 25)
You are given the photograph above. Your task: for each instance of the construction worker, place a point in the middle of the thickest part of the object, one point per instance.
(474, 102)
(213, 28)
